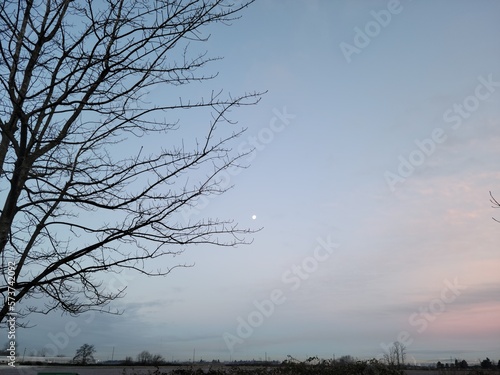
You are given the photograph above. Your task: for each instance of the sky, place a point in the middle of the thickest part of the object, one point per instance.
(375, 151)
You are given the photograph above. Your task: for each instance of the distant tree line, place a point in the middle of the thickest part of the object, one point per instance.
(485, 364)
(392, 363)
(146, 358)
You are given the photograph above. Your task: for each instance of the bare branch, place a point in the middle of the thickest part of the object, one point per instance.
(75, 206)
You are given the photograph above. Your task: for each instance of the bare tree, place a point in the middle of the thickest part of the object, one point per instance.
(128, 360)
(157, 359)
(396, 356)
(84, 355)
(81, 193)
(495, 204)
(144, 357)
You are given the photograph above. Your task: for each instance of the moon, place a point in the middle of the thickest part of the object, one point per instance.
(254, 217)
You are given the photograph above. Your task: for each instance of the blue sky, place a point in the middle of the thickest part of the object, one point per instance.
(370, 179)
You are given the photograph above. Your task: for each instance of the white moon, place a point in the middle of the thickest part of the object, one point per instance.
(254, 217)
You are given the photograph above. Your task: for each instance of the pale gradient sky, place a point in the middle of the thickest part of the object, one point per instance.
(322, 175)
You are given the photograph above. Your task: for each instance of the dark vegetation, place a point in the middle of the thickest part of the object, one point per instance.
(393, 362)
(345, 366)
(148, 364)
(291, 366)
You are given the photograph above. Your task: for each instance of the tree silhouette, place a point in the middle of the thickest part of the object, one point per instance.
(84, 355)
(396, 355)
(144, 357)
(486, 363)
(81, 192)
